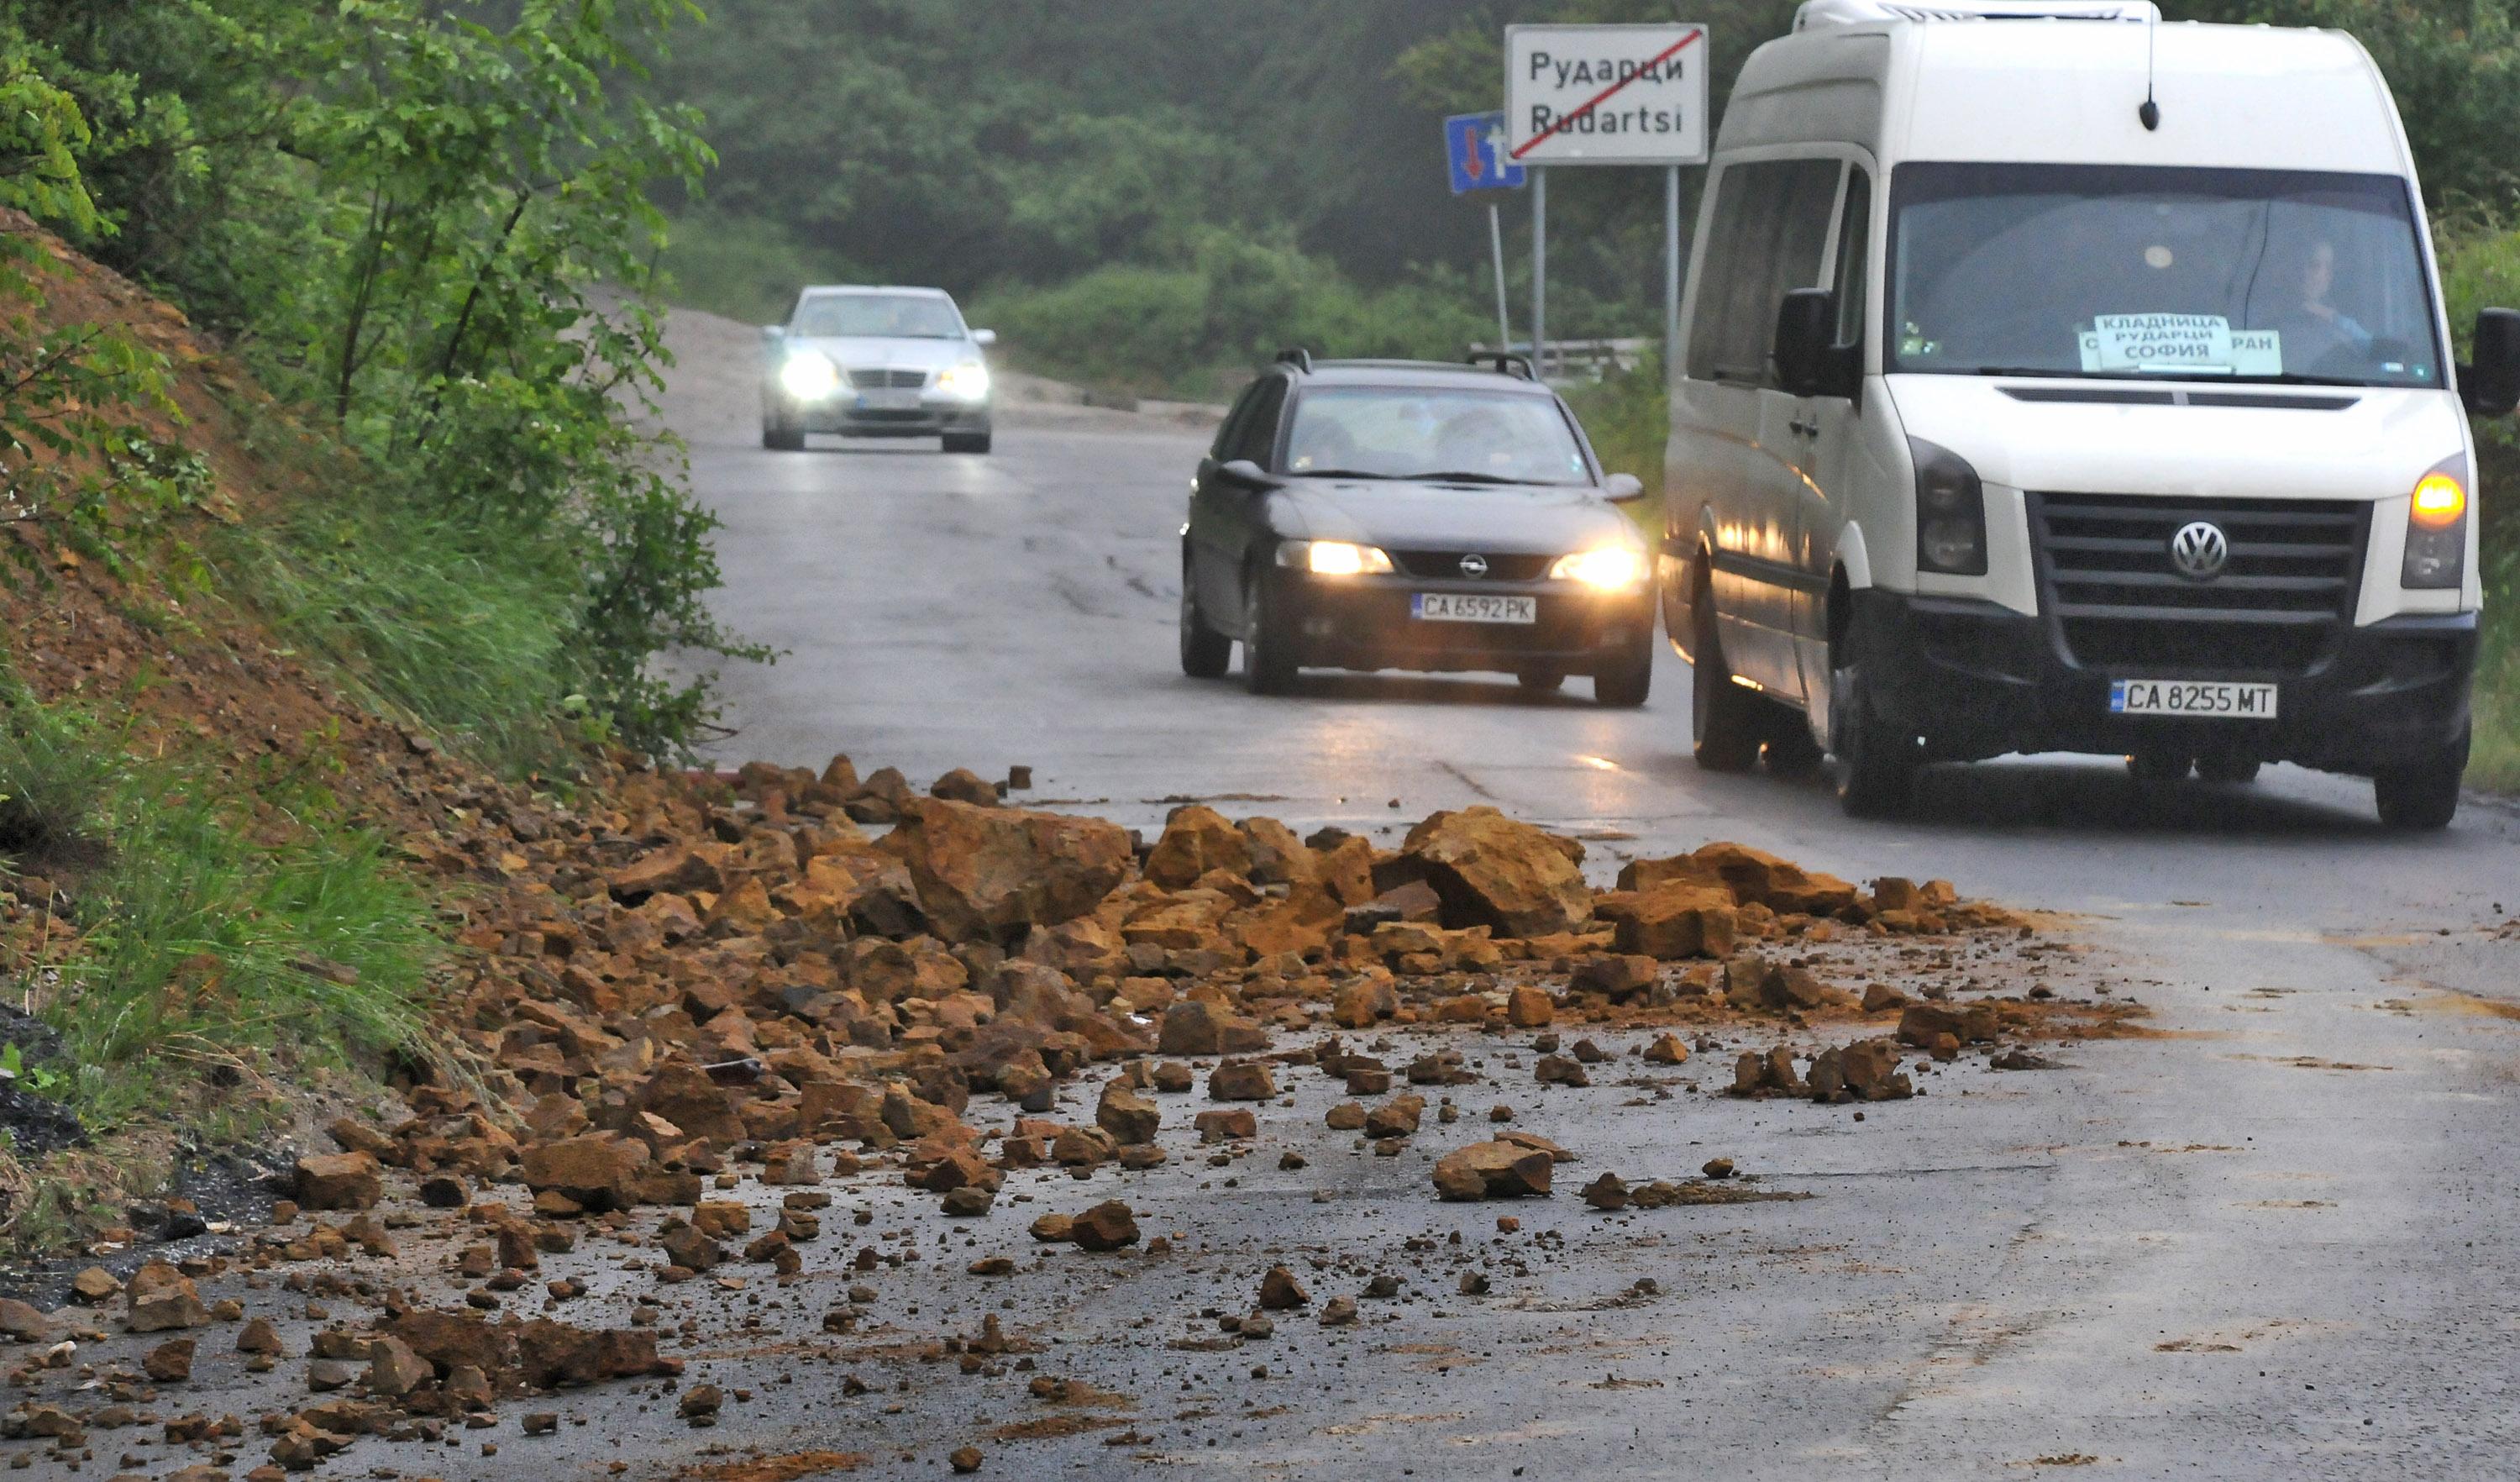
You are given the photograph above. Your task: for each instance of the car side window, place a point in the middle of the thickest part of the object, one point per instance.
(1770, 228)
(1232, 427)
(1257, 437)
(1854, 241)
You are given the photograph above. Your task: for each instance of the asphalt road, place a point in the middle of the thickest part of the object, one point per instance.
(2272, 1244)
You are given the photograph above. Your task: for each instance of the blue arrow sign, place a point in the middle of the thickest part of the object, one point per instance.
(1476, 142)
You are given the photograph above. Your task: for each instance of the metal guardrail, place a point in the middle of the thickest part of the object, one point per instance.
(1581, 359)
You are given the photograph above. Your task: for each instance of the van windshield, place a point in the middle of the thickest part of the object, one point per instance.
(2145, 272)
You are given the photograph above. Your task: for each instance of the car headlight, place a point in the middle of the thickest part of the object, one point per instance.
(2437, 529)
(1611, 569)
(969, 381)
(1333, 557)
(809, 376)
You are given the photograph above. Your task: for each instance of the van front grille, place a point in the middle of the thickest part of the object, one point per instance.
(2108, 580)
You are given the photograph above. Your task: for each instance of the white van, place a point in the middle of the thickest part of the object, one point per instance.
(2056, 379)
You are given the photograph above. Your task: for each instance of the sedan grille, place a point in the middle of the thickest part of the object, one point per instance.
(865, 379)
(1446, 565)
(2287, 593)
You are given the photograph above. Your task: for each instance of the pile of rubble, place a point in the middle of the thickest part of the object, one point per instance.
(816, 978)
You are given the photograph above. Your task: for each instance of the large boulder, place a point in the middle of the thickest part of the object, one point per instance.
(1675, 919)
(1196, 840)
(1491, 870)
(993, 873)
(596, 1171)
(338, 1180)
(1499, 1170)
(1194, 1027)
(1779, 884)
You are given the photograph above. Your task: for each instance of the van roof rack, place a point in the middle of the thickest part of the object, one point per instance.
(1299, 357)
(1818, 14)
(1505, 363)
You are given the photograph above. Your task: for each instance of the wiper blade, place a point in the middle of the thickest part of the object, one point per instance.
(1463, 475)
(1338, 474)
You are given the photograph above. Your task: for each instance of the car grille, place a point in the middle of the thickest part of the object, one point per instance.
(887, 381)
(1446, 565)
(2284, 599)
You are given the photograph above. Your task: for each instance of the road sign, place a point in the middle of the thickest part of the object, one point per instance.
(1476, 142)
(1606, 94)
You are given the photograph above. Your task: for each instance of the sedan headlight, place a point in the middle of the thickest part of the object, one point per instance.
(969, 381)
(809, 376)
(1333, 557)
(1611, 569)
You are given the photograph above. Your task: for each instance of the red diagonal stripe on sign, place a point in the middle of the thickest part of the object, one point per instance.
(1606, 94)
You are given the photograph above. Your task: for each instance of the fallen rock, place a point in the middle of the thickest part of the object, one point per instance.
(1196, 840)
(1497, 1170)
(990, 873)
(339, 1180)
(160, 1298)
(1395, 1118)
(1128, 1116)
(170, 1362)
(1107, 1226)
(1240, 1081)
(1280, 1291)
(1529, 1007)
(1196, 1027)
(1667, 1050)
(1609, 1192)
(1492, 871)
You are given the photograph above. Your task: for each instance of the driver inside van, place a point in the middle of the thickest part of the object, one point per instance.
(2312, 328)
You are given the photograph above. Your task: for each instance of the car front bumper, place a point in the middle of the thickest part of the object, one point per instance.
(842, 415)
(1364, 622)
(1974, 680)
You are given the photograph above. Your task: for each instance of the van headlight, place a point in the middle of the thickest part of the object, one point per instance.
(809, 376)
(1609, 568)
(1950, 512)
(2437, 529)
(969, 381)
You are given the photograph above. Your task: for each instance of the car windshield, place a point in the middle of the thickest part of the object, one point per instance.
(2142, 271)
(1419, 432)
(877, 316)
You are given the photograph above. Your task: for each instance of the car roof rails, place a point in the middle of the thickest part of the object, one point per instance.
(1505, 363)
(1299, 357)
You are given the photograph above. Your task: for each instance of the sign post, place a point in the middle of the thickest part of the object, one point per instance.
(1605, 95)
(1475, 144)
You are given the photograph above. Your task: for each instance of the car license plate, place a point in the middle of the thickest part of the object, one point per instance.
(1472, 608)
(2180, 697)
(888, 401)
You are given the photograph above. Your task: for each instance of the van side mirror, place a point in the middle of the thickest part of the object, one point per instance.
(1810, 362)
(2491, 386)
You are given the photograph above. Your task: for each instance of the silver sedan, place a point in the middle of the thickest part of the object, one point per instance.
(875, 362)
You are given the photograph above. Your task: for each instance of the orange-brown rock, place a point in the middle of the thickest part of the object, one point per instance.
(1675, 919)
(1197, 838)
(1495, 872)
(992, 873)
(338, 1180)
(1498, 1170)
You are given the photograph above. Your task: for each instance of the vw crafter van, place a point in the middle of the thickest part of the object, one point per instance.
(2059, 379)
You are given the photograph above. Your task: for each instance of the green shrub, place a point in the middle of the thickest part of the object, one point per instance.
(742, 267)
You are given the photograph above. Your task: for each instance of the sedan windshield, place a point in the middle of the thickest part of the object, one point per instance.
(2141, 271)
(877, 316)
(1412, 433)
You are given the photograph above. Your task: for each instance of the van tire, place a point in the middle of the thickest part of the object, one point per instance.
(1876, 770)
(1723, 719)
(1267, 666)
(2422, 797)
(1791, 751)
(2155, 766)
(1206, 654)
(2227, 771)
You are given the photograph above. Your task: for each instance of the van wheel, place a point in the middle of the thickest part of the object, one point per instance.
(2424, 797)
(1876, 764)
(2155, 766)
(1267, 666)
(1204, 652)
(1791, 751)
(1723, 719)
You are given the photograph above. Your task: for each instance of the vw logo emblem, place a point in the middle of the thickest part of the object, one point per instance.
(2200, 551)
(1474, 565)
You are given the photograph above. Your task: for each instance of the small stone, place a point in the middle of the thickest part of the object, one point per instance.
(1280, 1291)
(965, 1458)
(1338, 1312)
(700, 1404)
(1717, 1168)
(1607, 1193)
(170, 1362)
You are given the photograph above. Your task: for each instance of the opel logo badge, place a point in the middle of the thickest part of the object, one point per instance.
(2200, 551)
(1474, 565)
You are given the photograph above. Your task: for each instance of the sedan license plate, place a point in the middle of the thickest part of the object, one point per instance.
(2180, 697)
(1472, 608)
(888, 401)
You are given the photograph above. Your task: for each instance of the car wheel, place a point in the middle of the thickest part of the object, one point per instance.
(1205, 653)
(1626, 683)
(1268, 668)
(1542, 681)
(2231, 770)
(1876, 764)
(2424, 797)
(2156, 766)
(1724, 718)
(966, 442)
(779, 437)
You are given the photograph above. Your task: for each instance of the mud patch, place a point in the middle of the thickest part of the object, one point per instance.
(787, 1468)
(1057, 1428)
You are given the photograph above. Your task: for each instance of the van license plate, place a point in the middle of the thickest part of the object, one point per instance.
(1472, 608)
(2180, 697)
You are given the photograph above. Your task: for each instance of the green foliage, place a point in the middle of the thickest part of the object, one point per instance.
(433, 221)
(745, 267)
(1628, 416)
(204, 942)
(55, 772)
